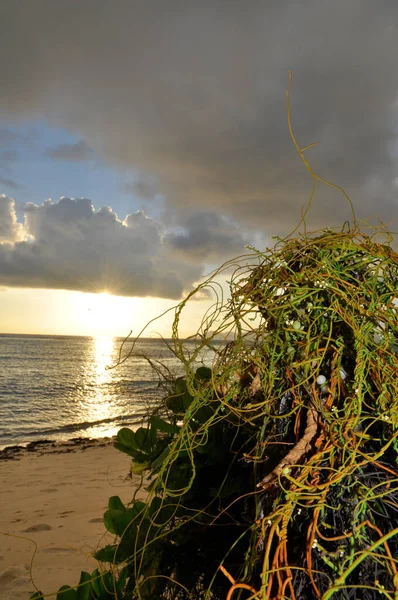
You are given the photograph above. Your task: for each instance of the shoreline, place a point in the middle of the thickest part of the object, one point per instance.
(53, 496)
(46, 446)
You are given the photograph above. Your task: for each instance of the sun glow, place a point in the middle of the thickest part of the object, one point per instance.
(67, 312)
(105, 315)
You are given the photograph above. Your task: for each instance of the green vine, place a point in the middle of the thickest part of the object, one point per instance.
(272, 472)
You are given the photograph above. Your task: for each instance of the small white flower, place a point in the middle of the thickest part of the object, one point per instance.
(343, 374)
(269, 522)
(386, 417)
(299, 511)
(321, 379)
(356, 390)
(315, 543)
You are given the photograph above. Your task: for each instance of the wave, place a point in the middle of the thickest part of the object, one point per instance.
(64, 431)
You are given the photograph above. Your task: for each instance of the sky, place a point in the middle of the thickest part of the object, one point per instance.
(144, 143)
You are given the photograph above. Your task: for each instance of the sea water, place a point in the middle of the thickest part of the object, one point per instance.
(61, 387)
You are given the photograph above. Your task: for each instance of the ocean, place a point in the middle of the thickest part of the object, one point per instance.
(60, 387)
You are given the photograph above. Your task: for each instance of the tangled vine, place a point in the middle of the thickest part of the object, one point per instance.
(272, 473)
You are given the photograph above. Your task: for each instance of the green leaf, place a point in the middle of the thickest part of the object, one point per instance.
(115, 503)
(203, 374)
(125, 441)
(113, 521)
(161, 511)
(138, 468)
(116, 521)
(186, 400)
(178, 476)
(160, 459)
(97, 584)
(84, 587)
(174, 404)
(65, 592)
(122, 579)
(108, 581)
(106, 554)
(181, 386)
(145, 439)
(164, 426)
(37, 596)
(203, 414)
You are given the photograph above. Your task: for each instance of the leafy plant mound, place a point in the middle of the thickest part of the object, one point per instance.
(274, 474)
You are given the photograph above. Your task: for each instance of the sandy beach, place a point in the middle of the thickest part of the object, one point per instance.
(52, 498)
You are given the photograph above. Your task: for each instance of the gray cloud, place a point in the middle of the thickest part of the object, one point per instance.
(70, 245)
(9, 140)
(194, 94)
(10, 183)
(207, 237)
(8, 156)
(7, 136)
(72, 152)
(144, 186)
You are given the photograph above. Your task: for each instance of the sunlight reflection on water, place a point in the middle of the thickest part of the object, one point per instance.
(97, 405)
(57, 387)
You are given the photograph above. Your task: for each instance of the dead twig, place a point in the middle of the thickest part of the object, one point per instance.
(300, 449)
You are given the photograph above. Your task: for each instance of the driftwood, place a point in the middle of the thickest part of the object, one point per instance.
(300, 449)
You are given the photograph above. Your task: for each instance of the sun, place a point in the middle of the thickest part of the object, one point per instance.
(105, 314)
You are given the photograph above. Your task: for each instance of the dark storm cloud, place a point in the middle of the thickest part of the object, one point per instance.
(194, 94)
(72, 152)
(70, 245)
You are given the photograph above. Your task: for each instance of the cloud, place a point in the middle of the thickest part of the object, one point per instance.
(207, 237)
(9, 141)
(146, 187)
(70, 245)
(7, 136)
(9, 183)
(71, 152)
(195, 96)
(10, 230)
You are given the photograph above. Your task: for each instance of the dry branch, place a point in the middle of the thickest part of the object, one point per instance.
(300, 449)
